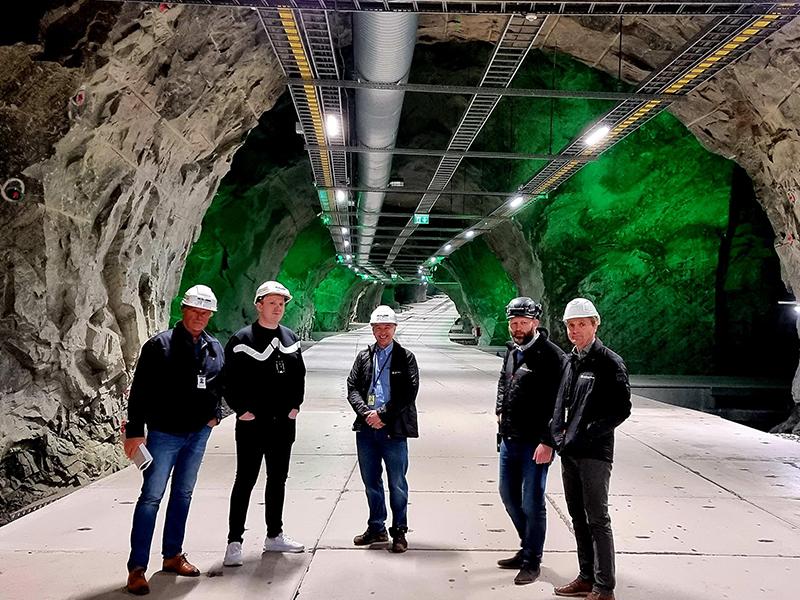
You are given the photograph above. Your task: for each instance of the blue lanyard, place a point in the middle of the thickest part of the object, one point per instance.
(375, 377)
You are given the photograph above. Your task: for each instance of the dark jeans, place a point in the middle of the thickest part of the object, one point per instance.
(522, 484)
(263, 438)
(178, 455)
(586, 490)
(373, 447)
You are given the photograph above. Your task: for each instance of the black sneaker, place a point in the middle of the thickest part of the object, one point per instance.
(371, 537)
(515, 562)
(527, 574)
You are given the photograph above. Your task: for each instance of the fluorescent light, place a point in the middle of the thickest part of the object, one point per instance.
(341, 195)
(333, 126)
(448, 247)
(470, 234)
(345, 231)
(346, 243)
(596, 135)
(517, 201)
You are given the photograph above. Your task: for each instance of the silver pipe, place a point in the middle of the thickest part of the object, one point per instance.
(383, 46)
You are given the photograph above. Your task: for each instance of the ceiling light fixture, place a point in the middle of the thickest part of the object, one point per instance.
(516, 201)
(448, 247)
(333, 127)
(341, 195)
(470, 234)
(346, 243)
(596, 135)
(345, 231)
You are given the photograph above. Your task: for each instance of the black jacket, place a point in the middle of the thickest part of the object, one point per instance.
(164, 394)
(400, 413)
(526, 392)
(593, 398)
(264, 371)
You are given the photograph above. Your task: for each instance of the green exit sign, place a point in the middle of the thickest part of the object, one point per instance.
(421, 219)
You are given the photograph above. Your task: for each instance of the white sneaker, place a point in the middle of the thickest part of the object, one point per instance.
(233, 555)
(282, 543)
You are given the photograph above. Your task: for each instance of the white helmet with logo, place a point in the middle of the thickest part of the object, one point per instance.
(383, 314)
(272, 287)
(580, 307)
(200, 296)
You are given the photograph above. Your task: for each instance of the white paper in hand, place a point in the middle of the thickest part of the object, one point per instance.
(142, 457)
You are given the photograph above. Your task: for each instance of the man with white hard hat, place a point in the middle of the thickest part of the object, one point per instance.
(176, 394)
(593, 399)
(265, 383)
(382, 390)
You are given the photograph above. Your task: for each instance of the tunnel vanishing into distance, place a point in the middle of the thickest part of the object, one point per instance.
(157, 146)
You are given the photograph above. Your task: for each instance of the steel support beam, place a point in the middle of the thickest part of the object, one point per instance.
(443, 153)
(464, 90)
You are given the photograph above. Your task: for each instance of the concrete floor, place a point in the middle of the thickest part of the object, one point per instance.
(702, 508)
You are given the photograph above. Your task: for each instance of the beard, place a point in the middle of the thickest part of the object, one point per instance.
(523, 339)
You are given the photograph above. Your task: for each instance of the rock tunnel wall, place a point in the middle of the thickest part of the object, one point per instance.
(121, 135)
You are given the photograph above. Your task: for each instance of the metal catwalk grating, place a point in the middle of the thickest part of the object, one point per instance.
(509, 53)
(700, 60)
(721, 43)
(316, 31)
(665, 8)
(304, 47)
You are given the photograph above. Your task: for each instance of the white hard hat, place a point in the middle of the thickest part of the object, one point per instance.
(200, 296)
(383, 314)
(272, 287)
(580, 307)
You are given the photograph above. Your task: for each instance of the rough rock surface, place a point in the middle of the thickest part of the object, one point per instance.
(750, 113)
(370, 298)
(117, 190)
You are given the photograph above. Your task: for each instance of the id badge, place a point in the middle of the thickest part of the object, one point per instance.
(201, 382)
(371, 400)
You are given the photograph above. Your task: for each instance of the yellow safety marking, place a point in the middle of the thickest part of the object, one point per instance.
(292, 34)
(745, 35)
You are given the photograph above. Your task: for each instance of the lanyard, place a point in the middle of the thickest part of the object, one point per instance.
(375, 378)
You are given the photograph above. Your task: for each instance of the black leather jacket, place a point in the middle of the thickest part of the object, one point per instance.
(593, 398)
(400, 413)
(165, 394)
(526, 392)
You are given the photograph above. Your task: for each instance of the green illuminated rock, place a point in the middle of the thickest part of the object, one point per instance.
(485, 288)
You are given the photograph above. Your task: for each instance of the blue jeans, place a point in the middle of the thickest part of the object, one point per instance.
(179, 455)
(522, 484)
(375, 446)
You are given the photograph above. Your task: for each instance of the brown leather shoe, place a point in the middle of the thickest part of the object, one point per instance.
(578, 588)
(596, 595)
(178, 564)
(137, 584)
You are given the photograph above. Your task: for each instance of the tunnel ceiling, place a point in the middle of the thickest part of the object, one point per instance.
(422, 221)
